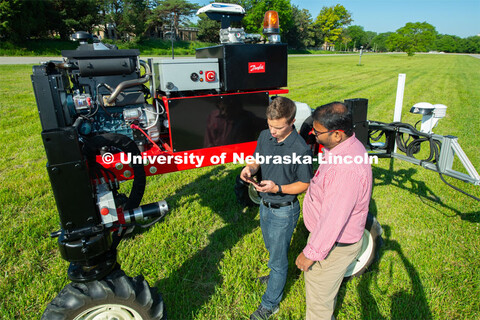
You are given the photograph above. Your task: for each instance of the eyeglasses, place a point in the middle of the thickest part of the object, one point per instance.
(317, 133)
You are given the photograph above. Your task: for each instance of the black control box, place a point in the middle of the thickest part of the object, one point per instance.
(246, 67)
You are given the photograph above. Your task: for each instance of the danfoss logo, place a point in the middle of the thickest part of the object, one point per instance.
(256, 67)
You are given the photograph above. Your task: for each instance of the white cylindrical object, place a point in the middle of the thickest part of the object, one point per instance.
(440, 110)
(399, 100)
(397, 116)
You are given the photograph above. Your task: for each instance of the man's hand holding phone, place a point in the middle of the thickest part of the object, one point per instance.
(254, 182)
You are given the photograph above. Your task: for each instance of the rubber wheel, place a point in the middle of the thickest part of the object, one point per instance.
(115, 297)
(372, 241)
(310, 140)
(247, 195)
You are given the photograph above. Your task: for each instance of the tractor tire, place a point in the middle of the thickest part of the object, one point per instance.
(247, 195)
(310, 140)
(115, 297)
(372, 241)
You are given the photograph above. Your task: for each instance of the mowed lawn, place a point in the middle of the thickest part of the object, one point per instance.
(205, 255)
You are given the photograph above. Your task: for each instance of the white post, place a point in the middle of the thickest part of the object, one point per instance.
(399, 101)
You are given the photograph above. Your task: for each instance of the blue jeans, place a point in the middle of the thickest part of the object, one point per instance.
(277, 229)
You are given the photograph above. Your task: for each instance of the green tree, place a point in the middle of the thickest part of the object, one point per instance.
(71, 16)
(330, 23)
(208, 30)
(174, 12)
(111, 12)
(9, 11)
(300, 35)
(354, 37)
(20, 19)
(369, 36)
(343, 43)
(358, 37)
(413, 37)
(447, 43)
(470, 45)
(379, 41)
(135, 13)
(255, 12)
(128, 17)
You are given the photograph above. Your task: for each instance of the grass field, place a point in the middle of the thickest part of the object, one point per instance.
(206, 254)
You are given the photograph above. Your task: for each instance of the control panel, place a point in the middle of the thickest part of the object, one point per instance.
(175, 75)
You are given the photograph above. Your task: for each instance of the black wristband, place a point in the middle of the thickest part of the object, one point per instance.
(279, 188)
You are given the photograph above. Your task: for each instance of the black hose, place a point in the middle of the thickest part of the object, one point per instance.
(126, 145)
(414, 147)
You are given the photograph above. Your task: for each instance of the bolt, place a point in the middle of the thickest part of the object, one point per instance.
(118, 166)
(127, 174)
(153, 170)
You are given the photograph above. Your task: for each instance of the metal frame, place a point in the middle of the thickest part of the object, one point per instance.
(449, 147)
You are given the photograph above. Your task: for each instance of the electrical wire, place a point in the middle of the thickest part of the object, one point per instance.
(164, 145)
(109, 176)
(452, 186)
(458, 189)
(157, 115)
(417, 123)
(413, 147)
(134, 126)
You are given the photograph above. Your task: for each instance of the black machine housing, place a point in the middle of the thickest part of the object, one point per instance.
(237, 61)
(78, 123)
(95, 101)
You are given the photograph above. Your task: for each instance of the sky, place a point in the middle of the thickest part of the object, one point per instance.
(454, 17)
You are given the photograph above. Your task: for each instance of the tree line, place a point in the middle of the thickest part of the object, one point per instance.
(331, 29)
(32, 19)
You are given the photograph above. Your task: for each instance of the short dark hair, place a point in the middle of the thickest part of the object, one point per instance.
(334, 116)
(281, 107)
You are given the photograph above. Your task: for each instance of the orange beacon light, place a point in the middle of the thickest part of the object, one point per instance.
(271, 26)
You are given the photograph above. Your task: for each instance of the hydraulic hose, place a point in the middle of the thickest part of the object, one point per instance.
(413, 147)
(126, 145)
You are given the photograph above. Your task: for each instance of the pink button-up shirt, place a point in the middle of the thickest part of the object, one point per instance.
(335, 207)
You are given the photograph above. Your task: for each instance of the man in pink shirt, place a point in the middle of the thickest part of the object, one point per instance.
(335, 209)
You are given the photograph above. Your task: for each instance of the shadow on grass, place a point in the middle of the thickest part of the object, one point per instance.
(189, 287)
(194, 283)
(403, 179)
(411, 304)
(299, 240)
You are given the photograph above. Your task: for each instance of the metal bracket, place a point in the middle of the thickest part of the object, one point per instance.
(449, 147)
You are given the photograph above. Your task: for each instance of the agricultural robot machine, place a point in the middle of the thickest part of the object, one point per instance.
(101, 105)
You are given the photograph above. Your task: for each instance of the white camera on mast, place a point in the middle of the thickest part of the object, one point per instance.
(227, 13)
(430, 114)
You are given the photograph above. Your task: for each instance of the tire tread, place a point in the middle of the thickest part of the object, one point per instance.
(116, 288)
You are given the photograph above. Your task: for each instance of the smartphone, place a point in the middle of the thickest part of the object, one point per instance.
(254, 181)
